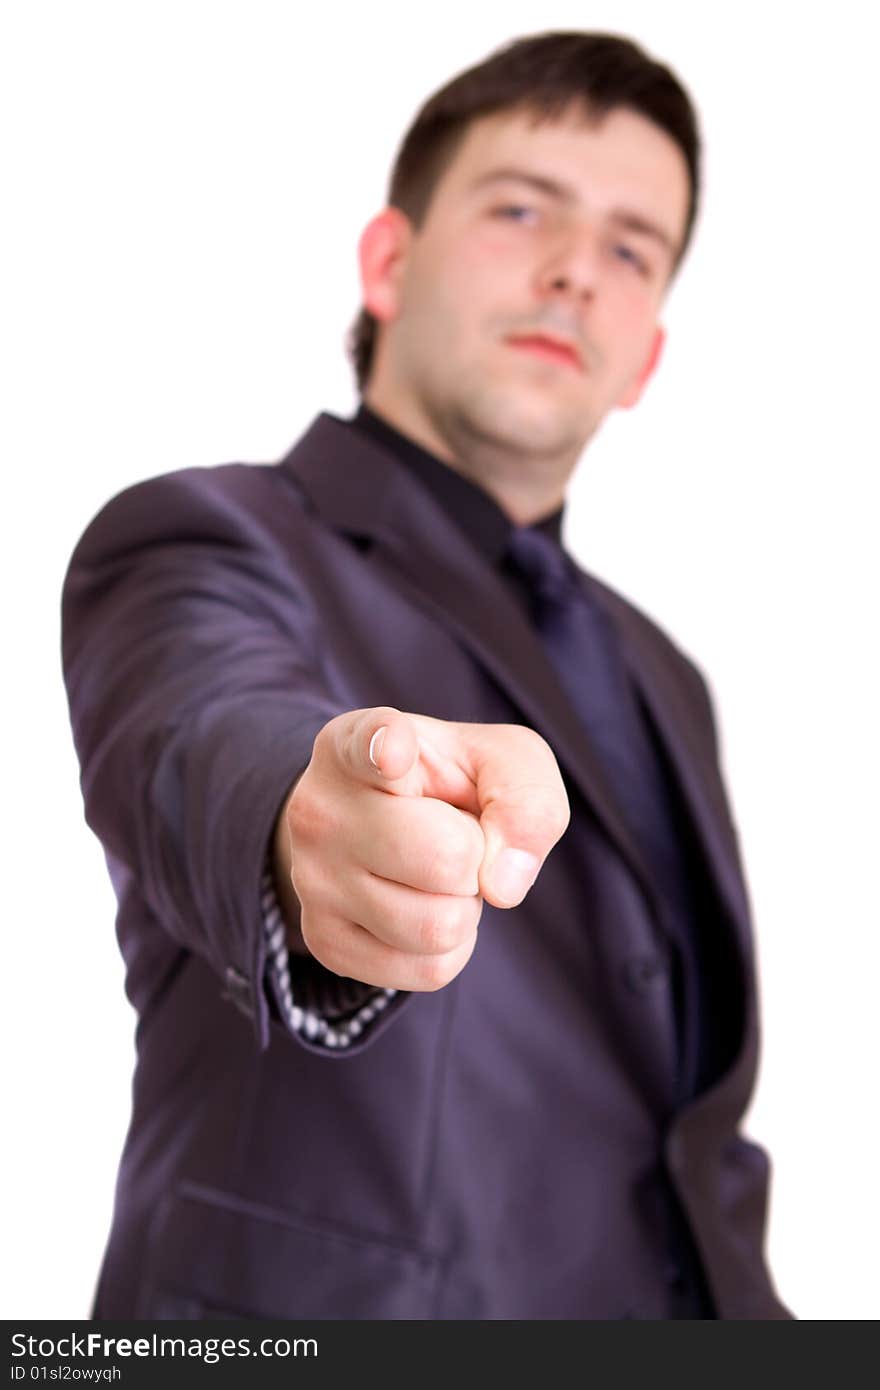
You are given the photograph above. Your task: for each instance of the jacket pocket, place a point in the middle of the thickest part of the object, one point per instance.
(214, 1254)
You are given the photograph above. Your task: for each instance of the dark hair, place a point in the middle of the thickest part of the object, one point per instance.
(544, 74)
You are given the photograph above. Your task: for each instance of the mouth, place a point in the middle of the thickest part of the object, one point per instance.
(550, 349)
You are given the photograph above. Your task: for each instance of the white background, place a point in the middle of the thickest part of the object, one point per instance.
(183, 188)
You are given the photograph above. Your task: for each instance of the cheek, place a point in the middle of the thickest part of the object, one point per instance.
(454, 297)
(502, 264)
(629, 318)
(482, 262)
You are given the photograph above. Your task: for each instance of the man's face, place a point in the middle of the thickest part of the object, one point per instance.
(526, 306)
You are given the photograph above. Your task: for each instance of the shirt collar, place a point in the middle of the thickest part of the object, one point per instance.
(469, 505)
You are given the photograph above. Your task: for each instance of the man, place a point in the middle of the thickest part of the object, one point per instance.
(374, 761)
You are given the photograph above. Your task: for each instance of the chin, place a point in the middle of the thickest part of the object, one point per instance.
(517, 422)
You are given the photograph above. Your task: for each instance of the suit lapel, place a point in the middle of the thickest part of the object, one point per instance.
(681, 727)
(360, 488)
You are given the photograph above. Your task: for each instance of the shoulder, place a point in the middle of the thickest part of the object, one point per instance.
(233, 504)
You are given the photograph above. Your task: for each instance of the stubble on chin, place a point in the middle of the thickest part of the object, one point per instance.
(507, 422)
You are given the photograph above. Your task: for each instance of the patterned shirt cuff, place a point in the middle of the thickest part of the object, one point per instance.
(329, 1009)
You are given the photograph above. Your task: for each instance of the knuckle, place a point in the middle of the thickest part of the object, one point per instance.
(535, 740)
(346, 745)
(556, 812)
(441, 928)
(326, 737)
(549, 809)
(310, 815)
(433, 972)
(530, 741)
(331, 949)
(298, 814)
(450, 864)
(304, 880)
(315, 938)
(539, 751)
(330, 959)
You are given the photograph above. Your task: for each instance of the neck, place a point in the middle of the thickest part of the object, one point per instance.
(526, 487)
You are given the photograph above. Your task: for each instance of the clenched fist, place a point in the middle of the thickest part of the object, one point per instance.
(398, 829)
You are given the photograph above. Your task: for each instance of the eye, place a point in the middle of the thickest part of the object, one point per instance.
(630, 257)
(515, 212)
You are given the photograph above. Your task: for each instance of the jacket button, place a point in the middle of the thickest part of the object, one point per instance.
(238, 990)
(644, 973)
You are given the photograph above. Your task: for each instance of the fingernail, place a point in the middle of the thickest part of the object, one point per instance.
(513, 874)
(376, 746)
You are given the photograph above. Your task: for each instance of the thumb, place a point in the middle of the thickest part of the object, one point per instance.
(507, 871)
(523, 810)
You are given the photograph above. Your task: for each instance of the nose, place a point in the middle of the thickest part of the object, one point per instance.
(570, 268)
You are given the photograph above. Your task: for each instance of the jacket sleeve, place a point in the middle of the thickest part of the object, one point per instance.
(190, 651)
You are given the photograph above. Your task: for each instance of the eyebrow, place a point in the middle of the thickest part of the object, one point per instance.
(631, 221)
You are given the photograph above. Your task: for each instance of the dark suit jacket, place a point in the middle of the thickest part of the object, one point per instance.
(496, 1149)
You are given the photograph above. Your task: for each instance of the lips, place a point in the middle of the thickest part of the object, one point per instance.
(551, 349)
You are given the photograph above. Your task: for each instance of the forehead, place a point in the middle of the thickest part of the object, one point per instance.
(616, 159)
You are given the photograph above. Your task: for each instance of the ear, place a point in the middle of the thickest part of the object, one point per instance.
(633, 392)
(382, 250)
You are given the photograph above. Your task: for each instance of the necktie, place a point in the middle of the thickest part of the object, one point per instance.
(581, 642)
